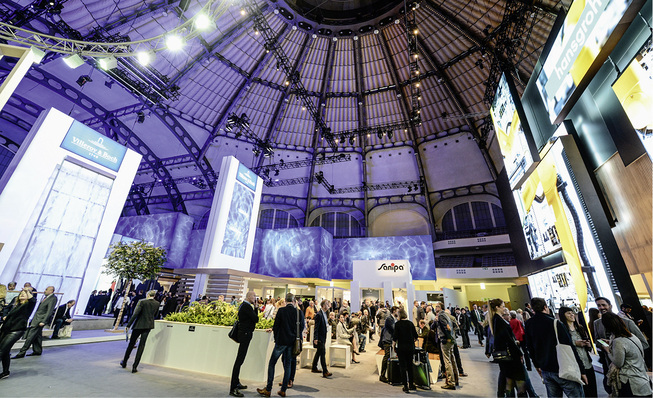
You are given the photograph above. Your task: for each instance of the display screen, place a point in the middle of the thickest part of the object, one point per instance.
(517, 156)
(93, 146)
(240, 216)
(583, 35)
(538, 225)
(556, 286)
(634, 89)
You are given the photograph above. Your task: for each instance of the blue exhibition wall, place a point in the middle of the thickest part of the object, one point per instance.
(313, 253)
(293, 253)
(416, 249)
(170, 231)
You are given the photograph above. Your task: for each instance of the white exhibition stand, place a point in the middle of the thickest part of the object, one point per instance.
(208, 349)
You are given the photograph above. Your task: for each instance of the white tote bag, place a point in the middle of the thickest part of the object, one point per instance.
(567, 364)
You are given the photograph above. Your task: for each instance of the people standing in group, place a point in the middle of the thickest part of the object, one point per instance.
(62, 318)
(511, 366)
(247, 319)
(447, 341)
(605, 307)
(541, 339)
(627, 374)
(142, 321)
(477, 319)
(34, 334)
(386, 341)
(14, 325)
(583, 345)
(319, 339)
(404, 338)
(285, 333)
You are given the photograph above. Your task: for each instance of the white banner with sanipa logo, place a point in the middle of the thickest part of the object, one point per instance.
(372, 273)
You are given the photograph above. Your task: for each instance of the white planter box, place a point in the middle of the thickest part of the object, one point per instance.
(207, 349)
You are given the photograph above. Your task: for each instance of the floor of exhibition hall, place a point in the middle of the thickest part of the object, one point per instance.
(92, 370)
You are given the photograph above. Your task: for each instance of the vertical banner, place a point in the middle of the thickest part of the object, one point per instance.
(232, 222)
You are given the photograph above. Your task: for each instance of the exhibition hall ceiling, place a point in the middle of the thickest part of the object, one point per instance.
(352, 57)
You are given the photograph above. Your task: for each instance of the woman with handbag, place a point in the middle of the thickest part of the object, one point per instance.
(506, 351)
(627, 373)
(344, 335)
(13, 327)
(583, 345)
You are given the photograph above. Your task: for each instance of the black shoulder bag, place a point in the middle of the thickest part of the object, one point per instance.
(297, 347)
(233, 333)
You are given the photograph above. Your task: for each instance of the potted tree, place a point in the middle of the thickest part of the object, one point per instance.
(133, 260)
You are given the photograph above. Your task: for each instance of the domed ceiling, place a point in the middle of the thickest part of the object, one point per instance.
(345, 70)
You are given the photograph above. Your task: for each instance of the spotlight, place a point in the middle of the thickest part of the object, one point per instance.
(379, 134)
(243, 12)
(141, 117)
(351, 140)
(281, 162)
(486, 31)
(390, 134)
(145, 57)
(479, 63)
(174, 42)
(376, 31)
(74, 61)
(276, 172)
(108, 83)
(203, 22)
(108, 63)
(286, 83)
(410, 189)
(82, 80)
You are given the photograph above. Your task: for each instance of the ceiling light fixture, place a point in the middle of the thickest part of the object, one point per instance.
(74, 61)
(145, 57)
(202, 21)
(82, 80)
(108, 63)
(174, 42)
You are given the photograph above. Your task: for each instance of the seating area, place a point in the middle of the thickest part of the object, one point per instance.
(486, 260)
(472, 233)
(498, 260)
(454, 262)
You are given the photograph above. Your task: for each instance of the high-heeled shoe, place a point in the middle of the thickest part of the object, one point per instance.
(355, 361)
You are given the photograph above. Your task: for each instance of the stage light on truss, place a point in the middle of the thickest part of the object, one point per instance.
(108, 63)
(74, 61)
(82, 80)
(145, 57)
(203, 22)
(174, 42)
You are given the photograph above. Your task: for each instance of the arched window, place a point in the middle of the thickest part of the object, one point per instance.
(473, 218)
(276, 219)
(341, 225)
(499, 219)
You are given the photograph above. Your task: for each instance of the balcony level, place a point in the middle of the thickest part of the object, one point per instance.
(452, 241)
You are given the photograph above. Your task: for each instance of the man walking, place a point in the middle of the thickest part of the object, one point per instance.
(541, 338)
(319, 341)
(387, 338)
(247, 319)
(477, 318)
(34, 334)
(285, 333)
(143, 321)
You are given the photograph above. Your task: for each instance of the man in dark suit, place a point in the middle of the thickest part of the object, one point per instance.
(285, 333)
(143, 321)
(61, 317)
(319, 338)
(247, 319)
(477, 318)
(34, 334)
(386, 339)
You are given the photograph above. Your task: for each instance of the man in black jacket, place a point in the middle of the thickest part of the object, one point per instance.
(285, 333)
(247, 319)
(34, 334)
(477, 318)
(386, 340)
(542, 347)
(61, 317)
(143, 321)
(320, 336)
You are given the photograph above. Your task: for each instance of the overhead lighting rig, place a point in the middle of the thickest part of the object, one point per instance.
(282, 165)
(380, 131)
(239, 125)
(262, 28)
(319, 177)
(414, 77)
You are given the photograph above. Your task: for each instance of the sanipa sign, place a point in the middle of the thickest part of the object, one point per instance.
(588, 35)
(373, 273)
(391, 267)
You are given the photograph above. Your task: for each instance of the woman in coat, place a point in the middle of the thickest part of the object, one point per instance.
(627, 372)
(582, 343)
(344, 335)
(404, 339)
(512, 367)
(13, 327)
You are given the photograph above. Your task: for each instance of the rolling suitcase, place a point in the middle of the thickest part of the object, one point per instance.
(421, 374)
(394, 373)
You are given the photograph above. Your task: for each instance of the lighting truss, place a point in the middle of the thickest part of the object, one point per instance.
(304, 163)
(239, 125)
(387, 128)
(65, 45)
(271, 44)
(412, 186)
(414, 77)
(286, 182)
(197, 181)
